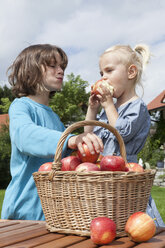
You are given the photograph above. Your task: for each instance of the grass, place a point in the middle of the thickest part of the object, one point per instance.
(2, 193)
(158, 194)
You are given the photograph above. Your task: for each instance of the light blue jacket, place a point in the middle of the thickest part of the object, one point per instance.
(133, 124)
(35, 131)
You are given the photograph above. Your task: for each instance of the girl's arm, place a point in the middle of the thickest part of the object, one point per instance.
(92, 111)
(107, 103)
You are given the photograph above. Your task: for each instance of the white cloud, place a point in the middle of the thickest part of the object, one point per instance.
(84, 29)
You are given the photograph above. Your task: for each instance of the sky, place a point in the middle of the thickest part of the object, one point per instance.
(84, 29)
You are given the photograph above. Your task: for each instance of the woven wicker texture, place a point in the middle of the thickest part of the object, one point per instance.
(70, 200)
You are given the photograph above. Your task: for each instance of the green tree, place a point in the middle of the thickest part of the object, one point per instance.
(160, 127)
(71, 103)
(152, 152)
(6, 98)
(4, 107)
(5, 150)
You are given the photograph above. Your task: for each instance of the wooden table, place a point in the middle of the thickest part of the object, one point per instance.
(25, 234)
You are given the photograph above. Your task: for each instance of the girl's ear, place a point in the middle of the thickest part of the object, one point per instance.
(132, 71)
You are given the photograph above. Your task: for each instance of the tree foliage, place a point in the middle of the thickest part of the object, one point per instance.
(4, 107)
(5, 150)
(153, 150)
(6, 98)
(71, 103)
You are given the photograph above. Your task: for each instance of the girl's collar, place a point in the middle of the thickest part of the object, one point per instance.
(134, 98)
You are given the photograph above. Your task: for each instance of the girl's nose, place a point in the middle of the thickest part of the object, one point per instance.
(104, 77)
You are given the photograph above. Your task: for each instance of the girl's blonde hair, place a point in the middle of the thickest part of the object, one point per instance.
(139, 56)
(26, 75)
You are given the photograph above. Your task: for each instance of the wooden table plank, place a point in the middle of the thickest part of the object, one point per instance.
(124, 242)
(8, 223)
(15, 227)
(62, 242)
(37, 241)
(84, 244)
(157, 241)
(16, 236)
(28, 234)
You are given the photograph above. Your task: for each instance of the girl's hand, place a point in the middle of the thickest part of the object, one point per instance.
(93, 142)
(105, 98)
(94, 102)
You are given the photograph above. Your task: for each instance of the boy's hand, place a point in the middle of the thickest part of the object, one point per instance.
(93, 142)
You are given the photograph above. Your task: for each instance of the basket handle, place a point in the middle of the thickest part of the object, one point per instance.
(56, 166)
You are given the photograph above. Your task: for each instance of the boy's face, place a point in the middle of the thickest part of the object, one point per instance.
(112, 68)
(53, 75)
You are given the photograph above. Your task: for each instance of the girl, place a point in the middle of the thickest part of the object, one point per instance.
(122, 67)
(34, 128)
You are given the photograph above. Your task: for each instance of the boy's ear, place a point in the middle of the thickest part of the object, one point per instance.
(132, 71)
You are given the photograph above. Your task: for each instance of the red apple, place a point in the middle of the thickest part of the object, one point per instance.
(112, 163)
(92, 158)
(85, 167)
(134, 167)
(70, 163)
(102, 230)
(100, 158)
(46, 167)
(126, 169)
(74, 153)
(140, 227)
(96, 86)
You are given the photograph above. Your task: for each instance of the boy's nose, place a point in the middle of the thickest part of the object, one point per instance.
(60, 70)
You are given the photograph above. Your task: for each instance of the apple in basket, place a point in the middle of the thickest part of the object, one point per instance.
(46, 167)
(70, 163)
(112, 163)
(102, 230)
(95, 87)
(92, 158)
(134, 167)
(87, 166)
(140, 227)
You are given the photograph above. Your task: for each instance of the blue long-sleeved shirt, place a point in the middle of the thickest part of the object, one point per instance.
(34, 131)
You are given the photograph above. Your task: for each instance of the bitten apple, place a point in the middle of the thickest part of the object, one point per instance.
(86, 166)
(134, 167)
(92, 158)
(95, 87)
(70, 163)
(102, 230)
(140, 227)
(112, 163)
(45, 167)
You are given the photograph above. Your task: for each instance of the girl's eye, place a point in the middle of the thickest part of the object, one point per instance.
(109, 70)
(101, 74)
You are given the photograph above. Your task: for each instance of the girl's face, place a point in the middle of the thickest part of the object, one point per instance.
(53, 75)
(112, 68)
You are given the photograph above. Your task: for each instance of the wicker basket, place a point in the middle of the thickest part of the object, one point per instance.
(70, 200)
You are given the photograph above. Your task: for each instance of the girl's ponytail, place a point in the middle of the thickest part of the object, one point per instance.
(143, 51)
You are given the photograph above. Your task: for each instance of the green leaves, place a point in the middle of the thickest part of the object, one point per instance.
(71, 103)
(5, 104)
